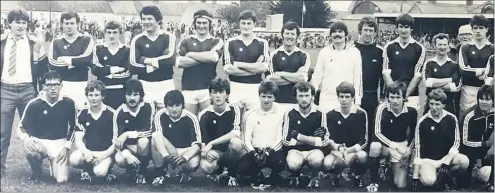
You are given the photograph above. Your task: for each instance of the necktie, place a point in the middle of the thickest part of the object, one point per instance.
(12, 58)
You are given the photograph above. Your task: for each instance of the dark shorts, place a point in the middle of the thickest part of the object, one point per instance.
(475, 153)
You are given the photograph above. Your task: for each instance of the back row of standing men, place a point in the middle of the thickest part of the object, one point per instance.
(247, 61)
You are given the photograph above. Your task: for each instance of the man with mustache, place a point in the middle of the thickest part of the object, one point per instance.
(403, 59)
(394, 133)
(22, 65)
(176, 139)
(289, 66)
(71, 57)
(46, 130)
(198, 56)
(305, 136)
(246, 59)
(132, 122)
(348, 127)
(476, 129)
(220, 130)
(93, 137)
(110, 63)
(442, 72)
(436, 142)
(152, 56)
(337, 62)
(473, 58)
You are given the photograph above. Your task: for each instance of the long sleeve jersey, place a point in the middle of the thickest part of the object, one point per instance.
(161, 51)
(390, 127)
(137, 123)
(236, 51)
(80, 51)
(214, 125)
(434, 139)
(183, 132)
(103, 59)
(472, 60)
(198, 77)
(263, 129)
(404, 62)
(305, 125)
(489, 70)
(349, 130)
(372, 61)
(49, 121)
(334, 67)
(477, 127)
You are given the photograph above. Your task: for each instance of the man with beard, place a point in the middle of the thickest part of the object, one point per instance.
(198, 56)
(436, 142)
(305, 135)
(46, 129)
(220, 128)
(71, 57)
(246, 59)
(403, 59)
(372, 60)
(132, 122)
(262, 135)
(93, 137)
(477, 127)
(289, 66)
(22, 65)
(337, 63)
(394, 133)
(441, 72)
(152, 56)
(110, 62)
(348, 127)
(473, 58)
(176, 139)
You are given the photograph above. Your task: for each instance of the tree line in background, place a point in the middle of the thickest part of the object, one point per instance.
(317, 13)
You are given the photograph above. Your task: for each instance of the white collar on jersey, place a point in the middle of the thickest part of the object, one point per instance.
(127, 110)
(435, 59)
(211, 109)
(282, 49)
(411, 40)
(444, 113)
(42, 96)
(404, 109)
(314, 108)
(120, 45)
(77, 35)
(97, 115)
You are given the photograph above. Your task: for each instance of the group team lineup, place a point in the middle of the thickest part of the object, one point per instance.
(360, 105)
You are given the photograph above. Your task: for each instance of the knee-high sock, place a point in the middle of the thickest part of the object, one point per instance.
(35, 165)
(373, 165)
(144, 164)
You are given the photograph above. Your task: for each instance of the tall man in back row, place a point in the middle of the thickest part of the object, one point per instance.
(246, 59)
(403, 59)
(198, 56)
(473, 58)
(152, 56)
(71, 56)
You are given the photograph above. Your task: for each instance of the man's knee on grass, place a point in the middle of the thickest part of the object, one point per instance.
(193, 164)
(237, 145)
(76, 159)
(294, 160)
(484, 173)
(315, 159)
(460, 162)
(333, 163)
(209, 165)
(361, 157)
(101, 169)
(375, 149)
(427, 174)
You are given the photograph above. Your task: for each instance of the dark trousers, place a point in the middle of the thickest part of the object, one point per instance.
(248, 167)
(114, 98)
(13, 96)
(369, 103)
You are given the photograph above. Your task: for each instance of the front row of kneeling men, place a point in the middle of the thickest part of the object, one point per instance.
(223, 144)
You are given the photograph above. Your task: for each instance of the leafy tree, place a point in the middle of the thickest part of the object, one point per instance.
(318, 13)
(231, 12)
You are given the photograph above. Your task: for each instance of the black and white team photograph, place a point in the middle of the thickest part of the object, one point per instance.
(243, 96)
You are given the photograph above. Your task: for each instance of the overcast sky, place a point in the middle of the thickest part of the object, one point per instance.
(339, 5)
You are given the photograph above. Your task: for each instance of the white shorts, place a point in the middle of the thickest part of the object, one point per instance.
(286, 107)
(156, 91)
(76, 92)
(196, 96)
(245, 95)
(304, 153)
(413, 101)
(468, 98)
(395, 156)
(52, 147)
